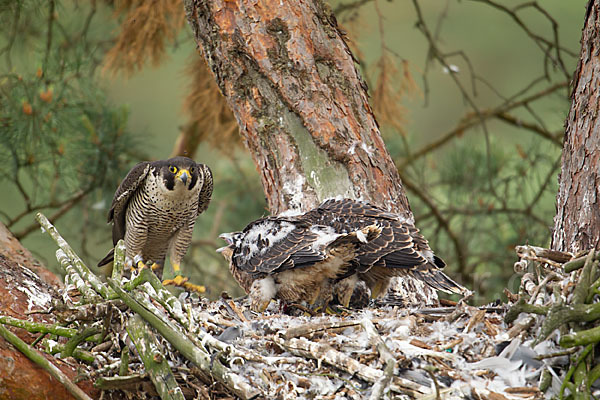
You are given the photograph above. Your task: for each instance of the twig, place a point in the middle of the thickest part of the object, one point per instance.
(89, 295)
(49, 33)
(154, 360)
(521, 326)
(386, 357)
(430, 370)
(119, 261)
(80, 267)
(569, 374)
(52, 347)
(33, 327)
(202, 359)
(165, 298)
(120, 382)
(510, 119)
(442, 221)
(382, 383)
(314, 327)
(385, 354)
(325, 353)
(64, 207)
(523, 306)
(37, 358)
(198, 336)
(350, 6)
(74, 341)
(534, 295)
(577, 263)
(562, 314)
(88, 312)
(567, 352)
(124, 367)
(581, 338)
(471, 120)
(543, 253)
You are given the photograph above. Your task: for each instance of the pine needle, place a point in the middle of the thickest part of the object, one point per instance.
(214, 124)
(388, 96)
(146, 28)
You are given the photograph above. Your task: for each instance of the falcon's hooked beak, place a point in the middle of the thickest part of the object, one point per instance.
(184, 175)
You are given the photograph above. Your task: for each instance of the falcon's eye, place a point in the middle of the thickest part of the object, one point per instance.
(172, 169)
(192, 170)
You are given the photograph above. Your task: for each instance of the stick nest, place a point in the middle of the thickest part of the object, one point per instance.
(135, 339)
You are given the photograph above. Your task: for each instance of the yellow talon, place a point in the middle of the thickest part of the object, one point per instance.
(177, 281)
(140, 265)
(154, 266)
(183, 282)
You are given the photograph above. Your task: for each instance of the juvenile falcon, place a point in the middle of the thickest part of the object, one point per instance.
(394, 247)
(154, 211)
(400, 249)
(291, 259)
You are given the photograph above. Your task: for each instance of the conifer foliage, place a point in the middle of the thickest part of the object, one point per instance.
(62, 144)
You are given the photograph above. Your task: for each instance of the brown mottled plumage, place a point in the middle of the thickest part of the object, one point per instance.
(273, 245)
(291, 260)
(155, 208)
(400, 249)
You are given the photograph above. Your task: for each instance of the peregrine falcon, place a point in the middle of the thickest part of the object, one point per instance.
(387, 245)
(400, 249)
(291, 259)
(154, 211)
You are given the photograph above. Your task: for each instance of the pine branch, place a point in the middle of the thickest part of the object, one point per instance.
(471, 120)
(65, 206)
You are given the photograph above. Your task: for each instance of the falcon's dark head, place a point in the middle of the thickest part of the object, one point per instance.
(179, 173)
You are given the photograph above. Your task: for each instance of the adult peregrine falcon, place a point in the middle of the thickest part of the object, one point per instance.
(154, 210)
(390, 246)
(291, 259)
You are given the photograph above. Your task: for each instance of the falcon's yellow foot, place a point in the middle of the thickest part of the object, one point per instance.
(183, 282)
(140, 265)
(154, 266)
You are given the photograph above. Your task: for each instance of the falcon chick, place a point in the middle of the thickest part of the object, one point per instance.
(279, 256)
(400, 249)
(154, 209)
(291, 259)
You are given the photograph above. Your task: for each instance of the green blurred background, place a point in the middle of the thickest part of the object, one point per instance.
(492, 187)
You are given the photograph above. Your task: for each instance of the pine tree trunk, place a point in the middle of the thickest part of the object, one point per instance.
(301, 105)
(577, 221)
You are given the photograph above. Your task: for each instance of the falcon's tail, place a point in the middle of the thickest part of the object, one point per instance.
(434, 277)
(108, 259)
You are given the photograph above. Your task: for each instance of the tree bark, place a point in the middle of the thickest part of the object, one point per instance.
(22, 291)
(577, 221)
(300, 102)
